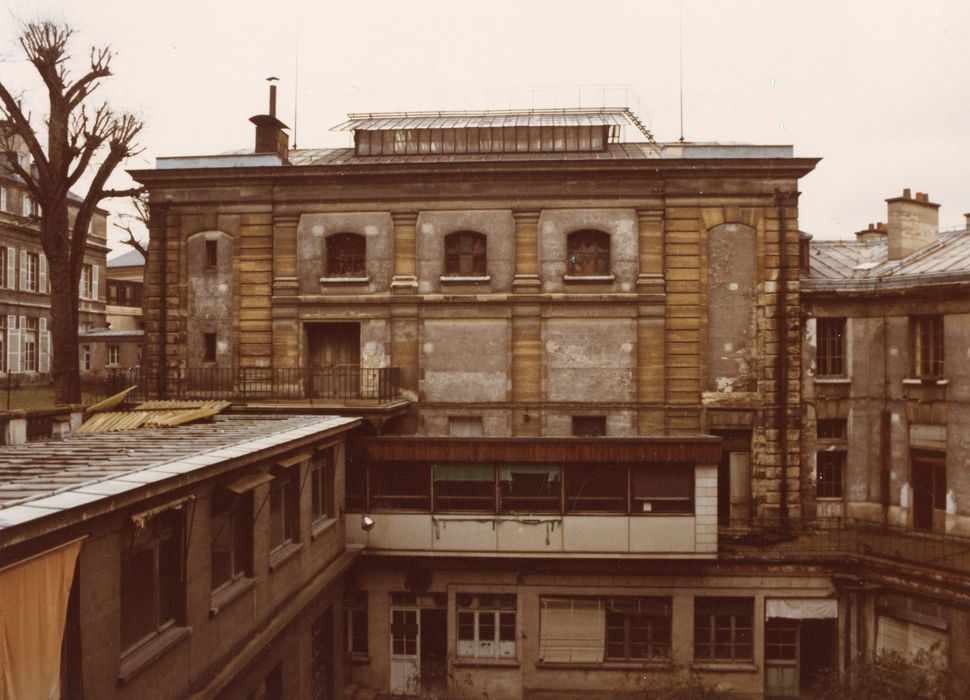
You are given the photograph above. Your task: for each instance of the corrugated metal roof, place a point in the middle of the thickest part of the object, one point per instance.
(387, 121)
(867, 264)
(152, 414)
(39, 479)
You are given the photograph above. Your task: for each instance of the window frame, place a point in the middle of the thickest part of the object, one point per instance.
(479, 612)
(32, 273)
(668, 505)
(113, 356)
(210, 347)
(284, 499)
(588, 425)
(589, 248)
(830, 349)
(345, 254)
(210, 248)
(576, 501)
(706, 626)
(356, 633)
(383, 476)
(830, 474)
(649, 611)
(461, 247)
(239, 520)
(322, 497)
(927, 342)
(30, 353)
(165, 529)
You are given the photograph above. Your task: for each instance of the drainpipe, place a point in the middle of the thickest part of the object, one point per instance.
(161, 369)
(781, 359)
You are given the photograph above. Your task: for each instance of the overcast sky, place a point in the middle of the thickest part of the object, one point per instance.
(879, 90)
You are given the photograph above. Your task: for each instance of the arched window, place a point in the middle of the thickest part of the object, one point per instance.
(465, 254)
(588, 253)
(346, 255)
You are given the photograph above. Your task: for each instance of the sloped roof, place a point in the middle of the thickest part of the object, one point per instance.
(381, 121)
(858, 265)
(130, 259)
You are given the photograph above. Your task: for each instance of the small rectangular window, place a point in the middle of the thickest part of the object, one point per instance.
(230, 525)
(356, 621)
(209, 351)
(926, 341)
(211, 254)
(486, 625)
(321, 486)
(284, 503)
(465, 426)
(831, 429)
(829, 467)
(830, 352)
(589, 426)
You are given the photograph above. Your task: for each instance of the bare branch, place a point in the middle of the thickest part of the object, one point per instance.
(130, 192)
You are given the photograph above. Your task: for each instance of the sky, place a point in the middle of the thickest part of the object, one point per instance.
(879, 90)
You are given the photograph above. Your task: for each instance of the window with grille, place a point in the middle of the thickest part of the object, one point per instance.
(346, 255)
(465, 254)
(638, 628)
(831, 428)
(724, 629)
(830, 351)
(486, 625)
(926, 339)
(588, 253)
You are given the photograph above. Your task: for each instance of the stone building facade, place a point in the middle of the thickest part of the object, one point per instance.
(596, 351)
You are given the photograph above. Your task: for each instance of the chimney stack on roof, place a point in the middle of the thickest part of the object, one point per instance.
(270, 134)
(875, 232)
(914, 223)
(967, 217)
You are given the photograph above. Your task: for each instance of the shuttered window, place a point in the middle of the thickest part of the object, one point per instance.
(572, 630)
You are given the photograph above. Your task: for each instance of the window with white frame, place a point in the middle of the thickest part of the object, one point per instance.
(355, 606)
(486, 625)
(31, 345)
(29, 271)
(87, 281)
(3, 199)
(86, 357)
(114, 355)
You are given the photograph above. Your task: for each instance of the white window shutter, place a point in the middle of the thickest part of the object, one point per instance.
(80, 285)
(44, 359)
(26, 205)
(23, 269)
(11, 267)
(13, 345)
(42, 274)
(94, 282)
(3, 199)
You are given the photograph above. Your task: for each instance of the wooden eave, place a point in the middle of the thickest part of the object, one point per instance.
(700, 449)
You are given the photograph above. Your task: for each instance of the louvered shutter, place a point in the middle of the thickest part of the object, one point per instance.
(23, 270)
(11, 267)
(44, 355)
(13, 345)
(94, 282)
(42, 274)
(572, 630)
(3, 199)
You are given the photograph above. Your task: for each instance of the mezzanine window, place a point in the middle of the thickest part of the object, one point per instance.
(638, 628)
(346, 255)
(465, 254)
(588, 253)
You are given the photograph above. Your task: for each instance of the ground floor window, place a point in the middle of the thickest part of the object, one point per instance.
(724, 629)
(829, 474)
(638, 628)
(356, 622)
(486, 625)
(322, 649)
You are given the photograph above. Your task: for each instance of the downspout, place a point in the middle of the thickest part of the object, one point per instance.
(781, 358)
(885, 423)
(161, 368)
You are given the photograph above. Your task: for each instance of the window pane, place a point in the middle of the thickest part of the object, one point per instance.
(221, 526)
(661, 488)
(588, 253)
(356, 498)
(345, 255)
(400, 486)
(464, 487)
(596, 488)
(529, 488)
(137, 596)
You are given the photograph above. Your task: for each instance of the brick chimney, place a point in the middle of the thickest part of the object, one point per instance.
(270, 134)
(914, 223)
(875, 232)
(967, 217)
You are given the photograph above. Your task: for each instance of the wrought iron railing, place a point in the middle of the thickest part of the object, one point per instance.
(259, 384)
(845, 537)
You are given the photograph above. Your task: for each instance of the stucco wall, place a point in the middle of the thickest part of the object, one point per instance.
(622, 225)
(499, 229)
(312, 232)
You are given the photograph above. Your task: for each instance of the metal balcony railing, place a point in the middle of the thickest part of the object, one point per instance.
(845, 537)
(258, 384)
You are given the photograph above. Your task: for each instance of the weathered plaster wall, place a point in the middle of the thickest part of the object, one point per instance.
(621, 224)
(312, 232)
(466, 358)
(498, 226)
(732, 258)
(210, 298)
(589, 359)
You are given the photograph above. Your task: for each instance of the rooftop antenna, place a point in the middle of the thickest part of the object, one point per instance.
(296, 73)
(680, 42)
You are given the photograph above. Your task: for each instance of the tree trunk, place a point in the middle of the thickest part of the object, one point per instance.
(65, 365)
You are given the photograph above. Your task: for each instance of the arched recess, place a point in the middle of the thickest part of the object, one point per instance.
(209, 339)
(466, 254)
(732, 295)
(588, 253)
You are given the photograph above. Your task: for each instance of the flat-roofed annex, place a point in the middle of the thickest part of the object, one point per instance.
(43, 479)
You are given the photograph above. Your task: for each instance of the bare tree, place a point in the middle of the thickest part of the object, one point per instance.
(77, 136)
(140, 203)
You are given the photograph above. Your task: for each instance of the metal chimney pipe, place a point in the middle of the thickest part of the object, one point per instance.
(272, 100)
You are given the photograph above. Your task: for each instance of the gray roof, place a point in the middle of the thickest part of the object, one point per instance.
(129, 259)
(40, 479)
(111, 333)
(858, 265)
(381, 121)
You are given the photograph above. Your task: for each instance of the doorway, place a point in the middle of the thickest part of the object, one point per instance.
(434, 652)
(734, 477)
(405, 651)
(929, 490)
(800, 656)
(333, 359)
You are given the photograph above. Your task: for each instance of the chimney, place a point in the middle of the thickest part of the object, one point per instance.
(270, 134)
(967, 217)
(914, 223)
(875, 232)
